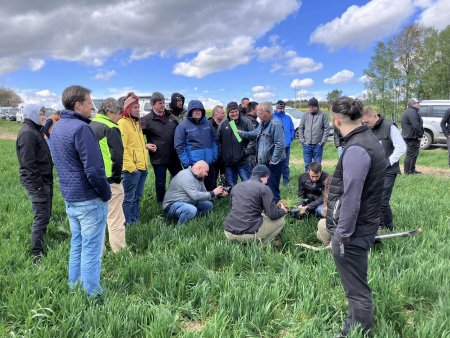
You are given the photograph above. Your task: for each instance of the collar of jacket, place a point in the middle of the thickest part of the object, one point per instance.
(74, 115)
(33, 124)
(354, 132)
(103, 117)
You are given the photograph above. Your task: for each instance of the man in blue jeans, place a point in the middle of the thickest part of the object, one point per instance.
(313, 133)
(187, 197)
(84, 187)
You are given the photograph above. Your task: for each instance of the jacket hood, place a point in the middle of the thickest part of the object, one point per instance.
(195, 104)
(173, 103)
(31, 112)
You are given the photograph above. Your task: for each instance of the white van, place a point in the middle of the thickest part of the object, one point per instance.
(432, 112)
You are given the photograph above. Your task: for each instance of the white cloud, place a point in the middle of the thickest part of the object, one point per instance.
(105, 76)
(436, 14)
(214, 59)
(343, 76)
(296, 83)
(36, 64)
(258, 89)
(300, 65)
(268, 53)
(95, 32)
(262, 93)
(210, 103)
(364, 79)
(361, 95)
(275, 67)
(359, 26)
(43, 96)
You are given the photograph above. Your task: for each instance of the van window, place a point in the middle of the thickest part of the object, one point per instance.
(423, 111)
(438, 111)
(147, 106)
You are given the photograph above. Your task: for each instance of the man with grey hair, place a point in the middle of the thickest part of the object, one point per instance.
(269, 145)
(159, 129)
(412, 132)
(107, 132)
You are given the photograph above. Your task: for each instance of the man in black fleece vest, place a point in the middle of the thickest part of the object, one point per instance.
(353, 209)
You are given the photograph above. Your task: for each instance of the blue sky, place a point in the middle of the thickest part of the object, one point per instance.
(212, 50)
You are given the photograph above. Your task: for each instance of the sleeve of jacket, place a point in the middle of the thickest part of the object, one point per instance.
(326, 128)
(219, 139)
(251, 135)
(87, 147)
(116, 149)
(270, 208)
(301, 189)
(414, 118)
(197, 195)
(250, 149)
(128, 162)
(445, 123)
(47, 127)
(279, 144)
(26, 145)
(215, 147)
(292, 129)
(301, 129)
(180, 145)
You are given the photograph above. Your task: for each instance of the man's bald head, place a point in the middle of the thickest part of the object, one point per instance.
(200, 169)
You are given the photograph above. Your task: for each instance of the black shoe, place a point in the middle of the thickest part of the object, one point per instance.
(415, 172)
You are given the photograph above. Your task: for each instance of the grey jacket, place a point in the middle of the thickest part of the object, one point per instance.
(314, 128)
(269, 141)
(185, 187)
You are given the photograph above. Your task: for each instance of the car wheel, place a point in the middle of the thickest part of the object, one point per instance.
(426, 140)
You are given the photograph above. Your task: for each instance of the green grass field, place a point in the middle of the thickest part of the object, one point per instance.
(193, 283)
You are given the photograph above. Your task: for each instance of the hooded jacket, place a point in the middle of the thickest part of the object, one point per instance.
(231, 151)
(288, 126)
(314, 128)
(412, 124)
(135, 156)
(178, 113)
(195, 139)
(35, 162)
(78, 160)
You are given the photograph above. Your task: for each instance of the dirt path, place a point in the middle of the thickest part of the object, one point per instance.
(4, 135)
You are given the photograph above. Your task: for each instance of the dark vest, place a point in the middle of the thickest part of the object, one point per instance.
(382, 131)
(368, 218)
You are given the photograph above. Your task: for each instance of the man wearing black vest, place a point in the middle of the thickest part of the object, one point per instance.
(394, 147)
(353, 209)
(412, 132)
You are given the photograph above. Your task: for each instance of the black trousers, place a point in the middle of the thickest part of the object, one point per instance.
(352, 268)
(41, 203)
(160, 171)
(412, 151)
(386, 212)
(211, 179)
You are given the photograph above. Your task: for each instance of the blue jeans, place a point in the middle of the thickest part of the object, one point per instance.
(286, 171)
(312, 152)
(87, 221)
(133, 186)
(232, 172)
(184, 212)
(274, 179)
(319, 211)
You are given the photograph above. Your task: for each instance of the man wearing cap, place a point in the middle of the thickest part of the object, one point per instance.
(159, 129)
(107, 132)
(195, 140)
(249, 200)
(313, 133)
(187, 196)
(269, 145)
(233, 150)
(289, 132)
(412, 132)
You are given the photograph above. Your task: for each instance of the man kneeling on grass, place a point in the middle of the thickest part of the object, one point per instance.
(249, 200)
(187, 196)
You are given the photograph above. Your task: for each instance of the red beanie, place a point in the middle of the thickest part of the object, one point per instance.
(129, 101)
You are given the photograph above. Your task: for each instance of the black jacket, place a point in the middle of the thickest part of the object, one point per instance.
(368, 218)
(311, 192)
(160, 132)
(253, 120)
(412, 124)
(248, 200)
(382, 131)
(35, 161)
(445, 123)
(231, 151)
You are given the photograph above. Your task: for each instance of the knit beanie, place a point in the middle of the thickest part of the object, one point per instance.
(260, 171)
(232, 106)
(130, 99)
(313, 102)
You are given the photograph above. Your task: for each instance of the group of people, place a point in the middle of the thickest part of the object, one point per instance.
(102, 165)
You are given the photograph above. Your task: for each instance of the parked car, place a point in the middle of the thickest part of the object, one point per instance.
(11, 114)
(4, 111)
(431, 112)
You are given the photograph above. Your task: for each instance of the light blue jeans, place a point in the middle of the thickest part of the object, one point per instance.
(184, 212)
(87, 221)
(232, 172)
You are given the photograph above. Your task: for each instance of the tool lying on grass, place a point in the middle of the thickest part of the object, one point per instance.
(410, 233)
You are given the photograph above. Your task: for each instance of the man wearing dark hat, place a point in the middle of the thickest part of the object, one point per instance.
(289, 132)
(249, 200)
(176, 106)
(313, 133)
(412, 132)
(233, 150)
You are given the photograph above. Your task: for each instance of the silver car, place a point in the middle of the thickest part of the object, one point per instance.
(431, 112)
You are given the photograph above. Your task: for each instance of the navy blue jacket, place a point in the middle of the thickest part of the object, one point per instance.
(78, 160)
(195, 140)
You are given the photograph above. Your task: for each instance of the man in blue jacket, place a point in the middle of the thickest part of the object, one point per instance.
(289, 132)
(195, 140)
(269, 145)
(84, 187)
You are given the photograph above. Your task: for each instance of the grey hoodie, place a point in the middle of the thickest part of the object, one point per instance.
(31, 112)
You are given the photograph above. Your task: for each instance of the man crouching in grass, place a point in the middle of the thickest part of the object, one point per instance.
(249, 200)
